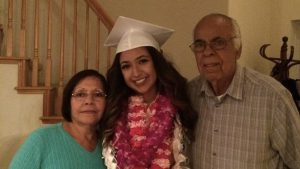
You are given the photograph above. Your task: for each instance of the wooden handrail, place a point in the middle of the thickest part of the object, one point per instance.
(97, 8)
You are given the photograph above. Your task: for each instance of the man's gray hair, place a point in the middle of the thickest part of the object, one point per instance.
(237, 41)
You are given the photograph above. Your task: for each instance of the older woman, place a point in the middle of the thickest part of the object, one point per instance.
(75, 142)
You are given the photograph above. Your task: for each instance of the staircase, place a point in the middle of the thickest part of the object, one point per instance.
(49, 41)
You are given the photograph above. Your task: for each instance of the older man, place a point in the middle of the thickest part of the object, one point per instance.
(247, 120)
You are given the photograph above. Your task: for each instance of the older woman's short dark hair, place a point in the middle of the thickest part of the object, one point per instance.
(73, 82)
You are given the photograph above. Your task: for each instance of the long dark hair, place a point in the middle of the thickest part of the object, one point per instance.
(169, 82)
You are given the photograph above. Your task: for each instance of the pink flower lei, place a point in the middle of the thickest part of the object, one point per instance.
(143, 134)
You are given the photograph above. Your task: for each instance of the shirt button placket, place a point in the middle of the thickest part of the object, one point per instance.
(217, 115)
(217, 105)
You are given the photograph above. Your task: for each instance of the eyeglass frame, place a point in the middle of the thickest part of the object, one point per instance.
(77, 97)
(226, 40)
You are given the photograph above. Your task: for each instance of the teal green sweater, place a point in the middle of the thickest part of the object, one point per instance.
(52, 147)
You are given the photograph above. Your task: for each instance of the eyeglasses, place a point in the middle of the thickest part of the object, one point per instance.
(82, 95)
(216, 44)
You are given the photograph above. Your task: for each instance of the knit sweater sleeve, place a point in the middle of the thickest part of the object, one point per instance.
(29, 156)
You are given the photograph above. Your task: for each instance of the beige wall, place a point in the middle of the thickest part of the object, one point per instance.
(19, 113)
(254, 18)
(266, 22)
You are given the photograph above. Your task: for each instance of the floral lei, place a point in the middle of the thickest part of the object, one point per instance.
(143, 134)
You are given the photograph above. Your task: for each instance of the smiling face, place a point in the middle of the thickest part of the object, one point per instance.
(87, 110)
(139, 72)
(217, 66)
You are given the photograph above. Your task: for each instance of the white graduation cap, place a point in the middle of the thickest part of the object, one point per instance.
(129, 33)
